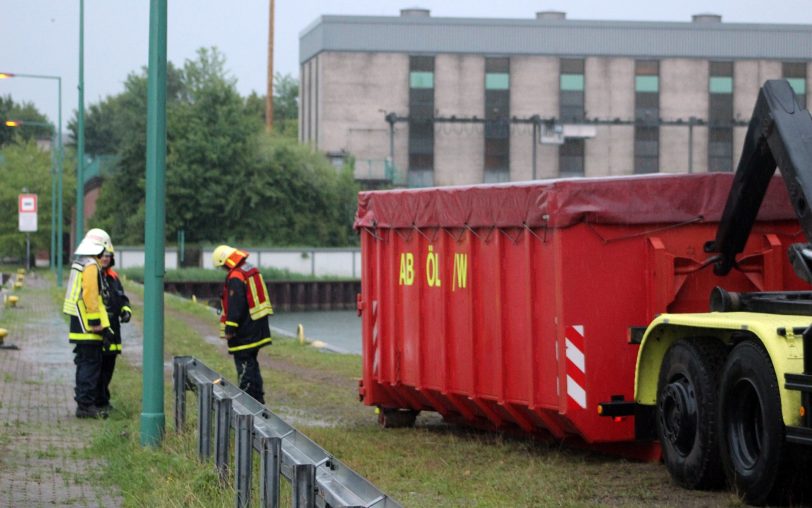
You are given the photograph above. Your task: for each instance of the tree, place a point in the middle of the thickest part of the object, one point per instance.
(24, 165)
(26, 112)
(109, 123)
(285, 105)
(209, 153)
(308, 202)
(208, 134)
(226, 181)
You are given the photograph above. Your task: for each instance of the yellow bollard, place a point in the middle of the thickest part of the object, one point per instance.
(300, 333)
(21, 271)
(18, 285)
(20, 277)
(3, 345)
(11, 301)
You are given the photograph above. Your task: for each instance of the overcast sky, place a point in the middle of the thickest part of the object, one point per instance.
(42, 36)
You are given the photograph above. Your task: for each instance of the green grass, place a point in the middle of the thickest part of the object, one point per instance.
(432, 465)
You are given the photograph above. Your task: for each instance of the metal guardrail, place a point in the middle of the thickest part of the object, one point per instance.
(316, 477)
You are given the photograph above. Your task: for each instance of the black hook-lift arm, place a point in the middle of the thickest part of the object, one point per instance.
(779, 134)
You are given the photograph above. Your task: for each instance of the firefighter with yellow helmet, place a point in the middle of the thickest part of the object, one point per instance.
(89, 324)
(244, 318)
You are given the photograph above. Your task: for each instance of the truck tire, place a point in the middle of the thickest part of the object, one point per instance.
(686, 412)
(751, 425)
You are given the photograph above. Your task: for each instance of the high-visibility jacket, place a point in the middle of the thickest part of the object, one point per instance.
(84, 301)
(246, 307)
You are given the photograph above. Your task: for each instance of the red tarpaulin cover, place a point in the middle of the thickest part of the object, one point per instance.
(650, 199)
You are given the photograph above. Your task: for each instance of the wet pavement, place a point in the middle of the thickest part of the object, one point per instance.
(39, 435)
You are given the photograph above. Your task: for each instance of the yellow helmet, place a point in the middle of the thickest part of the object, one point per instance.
(220, 254)
(224, 255)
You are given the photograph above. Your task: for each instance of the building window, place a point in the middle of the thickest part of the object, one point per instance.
(720, 117)
(571, 158)
(571, 109)
(497, 120)
(647, 116)
(572, 90)
(795, 73)
(421, 121)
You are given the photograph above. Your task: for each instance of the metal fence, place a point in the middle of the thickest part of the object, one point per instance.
(316, 477)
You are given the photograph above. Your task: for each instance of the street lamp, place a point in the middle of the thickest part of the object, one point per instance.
(60, 154)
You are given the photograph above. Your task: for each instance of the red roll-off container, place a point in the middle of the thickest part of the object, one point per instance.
(513, 305)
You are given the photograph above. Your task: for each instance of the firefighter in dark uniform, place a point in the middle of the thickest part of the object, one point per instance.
(89, 324)
(118, 311)
(244, 318)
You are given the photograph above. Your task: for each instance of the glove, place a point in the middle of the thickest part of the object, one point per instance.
(107, 339)
(125, 316)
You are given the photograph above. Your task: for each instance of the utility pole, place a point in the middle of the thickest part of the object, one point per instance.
(269, 96)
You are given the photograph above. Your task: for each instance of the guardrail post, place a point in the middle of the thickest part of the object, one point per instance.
(304, 486)
(222, 413)
(270, 470)
(243, 448)
(179, 377)
(204, 397)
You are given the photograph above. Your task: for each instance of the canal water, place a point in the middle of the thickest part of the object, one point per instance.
(339, 330)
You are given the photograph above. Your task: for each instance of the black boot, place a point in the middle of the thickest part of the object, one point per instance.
(90, 412)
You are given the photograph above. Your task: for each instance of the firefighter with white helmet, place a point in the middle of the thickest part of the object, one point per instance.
(89, 324)
(244, 318)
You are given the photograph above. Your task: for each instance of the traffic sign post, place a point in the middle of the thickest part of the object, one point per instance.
(27, 207)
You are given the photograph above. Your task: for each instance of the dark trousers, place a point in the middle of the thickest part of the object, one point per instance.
(248, 374)
(88, 360)
(108, 365)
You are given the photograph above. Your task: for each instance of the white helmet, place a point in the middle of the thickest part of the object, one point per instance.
(95, 242)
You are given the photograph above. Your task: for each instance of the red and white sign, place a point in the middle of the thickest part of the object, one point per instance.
(27, 206)
(28, 203)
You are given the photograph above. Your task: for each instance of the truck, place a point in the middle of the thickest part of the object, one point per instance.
(656, 317)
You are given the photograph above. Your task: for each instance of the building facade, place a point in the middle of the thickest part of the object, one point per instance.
(418, 101)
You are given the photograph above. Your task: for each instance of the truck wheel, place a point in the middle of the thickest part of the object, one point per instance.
(396, 418)
(686, 412)
(751, 426)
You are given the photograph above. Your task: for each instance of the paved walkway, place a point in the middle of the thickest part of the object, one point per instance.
(40, 438)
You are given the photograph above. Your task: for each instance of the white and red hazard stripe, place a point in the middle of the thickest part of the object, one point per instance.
(576, 364)
(376, 356)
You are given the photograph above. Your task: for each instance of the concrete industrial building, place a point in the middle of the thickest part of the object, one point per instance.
(460, 101)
